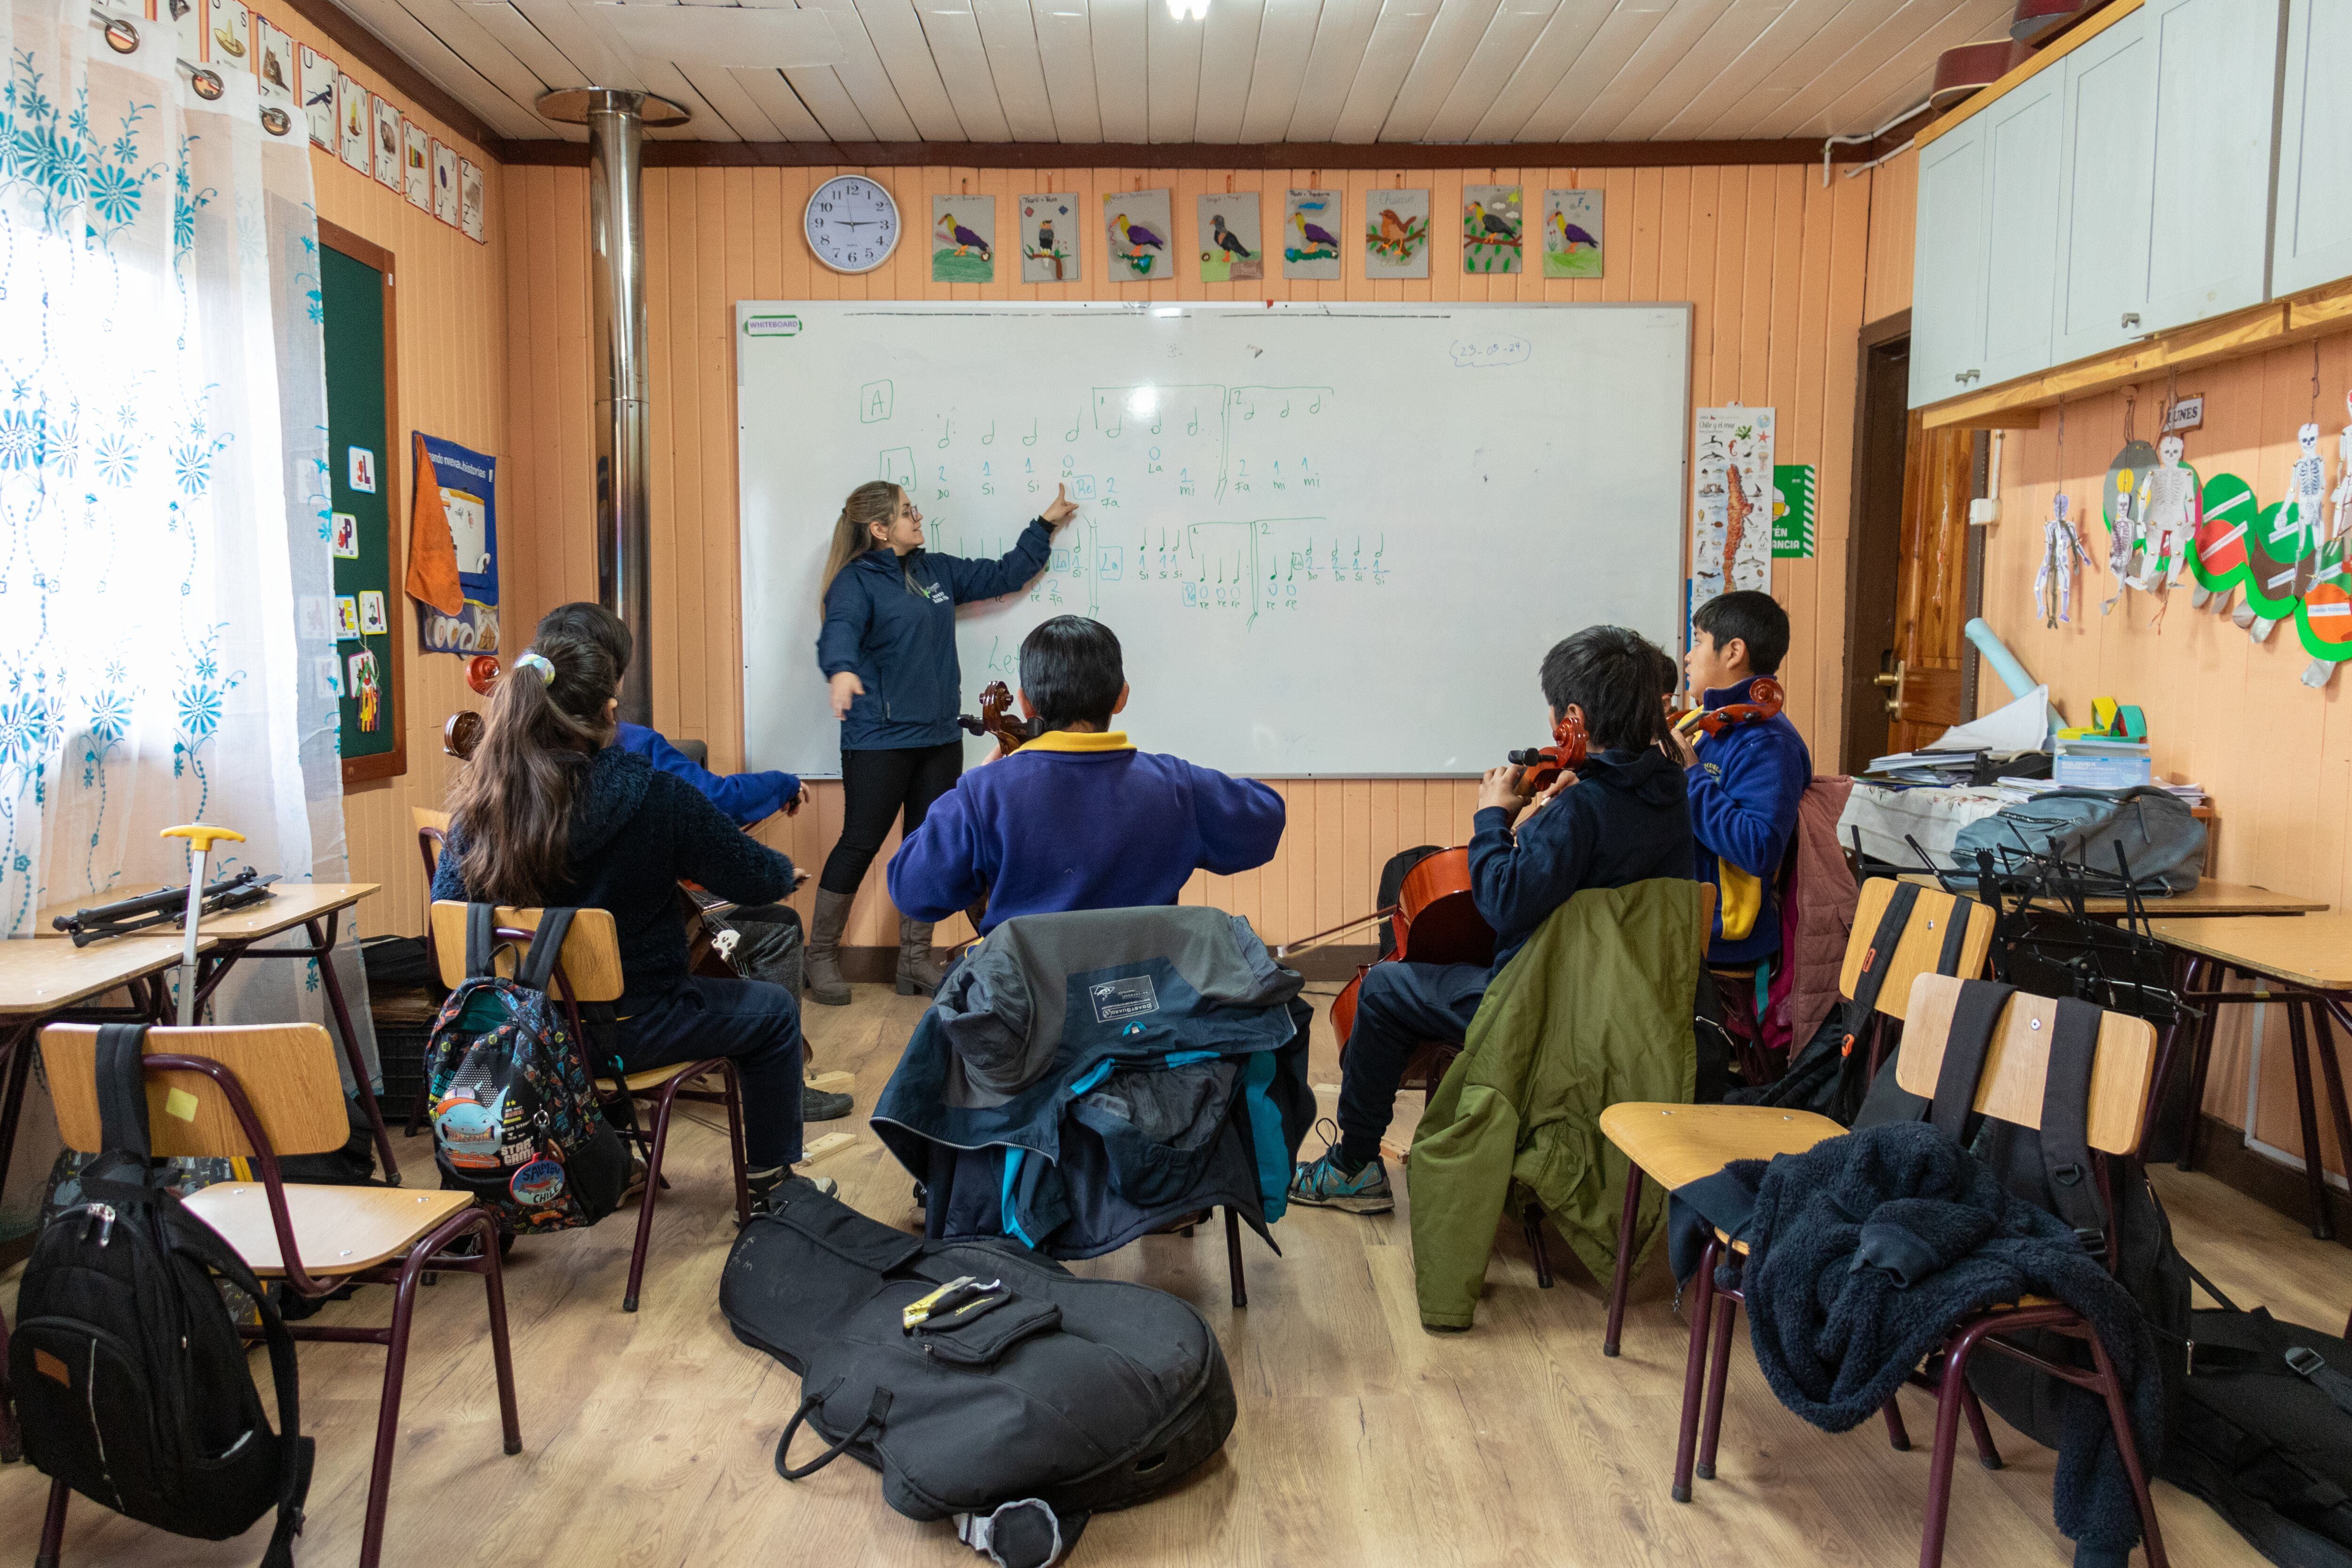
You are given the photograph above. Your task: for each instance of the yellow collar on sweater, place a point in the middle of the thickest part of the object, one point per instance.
(1080, 741)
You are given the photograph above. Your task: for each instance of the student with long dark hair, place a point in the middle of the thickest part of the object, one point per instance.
(888, 653)
(549, 813)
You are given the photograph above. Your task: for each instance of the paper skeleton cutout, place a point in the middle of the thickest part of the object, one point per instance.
(2343, 492)
(2168, 503)
(2053, 585)
(2310, 505)
(2284, 567)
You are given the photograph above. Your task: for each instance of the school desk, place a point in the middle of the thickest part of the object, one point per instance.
(2208, 897)
(2303, 965)
(41, 981)
(317, 907)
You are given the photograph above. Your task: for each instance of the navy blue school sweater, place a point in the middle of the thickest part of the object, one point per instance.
(1080, 822)
(1744, 790)
(635, 834)
(1626, 819)
(746, 797)
(891, 621)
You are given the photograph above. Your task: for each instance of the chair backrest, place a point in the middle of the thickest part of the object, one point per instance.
(1922, 945)
(432, 832)
(287, 1072)
(590, 962)
(2018, 1060)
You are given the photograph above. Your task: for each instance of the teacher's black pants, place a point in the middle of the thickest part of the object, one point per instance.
(876, 787)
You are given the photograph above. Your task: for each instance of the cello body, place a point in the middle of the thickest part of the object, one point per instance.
(1436, 922)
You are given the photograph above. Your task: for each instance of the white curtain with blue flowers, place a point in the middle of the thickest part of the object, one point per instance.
(163, 485)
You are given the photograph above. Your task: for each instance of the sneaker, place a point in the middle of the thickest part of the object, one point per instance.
(1321, 1184)
(763, 1200)
(823, 1105)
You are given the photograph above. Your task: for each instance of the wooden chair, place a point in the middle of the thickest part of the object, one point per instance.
(254, 1092)
(1677, 1144)
(2016, 1063)
(589, 970)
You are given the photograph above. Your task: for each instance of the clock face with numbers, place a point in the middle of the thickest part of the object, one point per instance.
(851, 223)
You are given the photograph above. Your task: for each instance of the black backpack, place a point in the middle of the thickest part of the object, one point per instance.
(131, 1381)
(515, 1117)
(2053, 1170)
(2263, 1433)
(1026, 1385)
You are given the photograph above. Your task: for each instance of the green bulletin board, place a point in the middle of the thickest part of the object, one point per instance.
(368, 575)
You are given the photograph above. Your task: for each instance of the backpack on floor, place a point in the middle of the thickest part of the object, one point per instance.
(131, 1381)
(515, 1117)
(2263, 1433)
(1024, 1399)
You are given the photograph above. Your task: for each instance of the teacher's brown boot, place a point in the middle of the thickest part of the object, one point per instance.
(822, 971)
(919, 974)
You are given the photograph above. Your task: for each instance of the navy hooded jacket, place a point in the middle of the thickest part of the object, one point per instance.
(890, 619)
(1744, 790)
(747, 797)
(635, 834)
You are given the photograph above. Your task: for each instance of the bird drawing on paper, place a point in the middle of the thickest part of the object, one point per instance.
(1139, 238)
(1492, 226)
(1392, 230)
(1228, 241)
(963, 239)
(325, 95)
(1569, 234)
(1314, 234)
(1045, 235)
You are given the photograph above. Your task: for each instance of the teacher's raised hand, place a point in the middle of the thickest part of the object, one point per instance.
(1061, 511)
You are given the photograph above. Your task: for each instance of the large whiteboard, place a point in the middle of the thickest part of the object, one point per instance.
(1333, 538)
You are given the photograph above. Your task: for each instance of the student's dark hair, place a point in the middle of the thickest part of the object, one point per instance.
(1756, 618)
(512, 799)
(1071, 672)
(582, 619)
(1620, 679)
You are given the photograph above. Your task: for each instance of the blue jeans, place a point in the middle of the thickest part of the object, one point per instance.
(757, 1024)
(1399, 1007)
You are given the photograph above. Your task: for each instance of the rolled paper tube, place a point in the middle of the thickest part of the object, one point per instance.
(2004, 664)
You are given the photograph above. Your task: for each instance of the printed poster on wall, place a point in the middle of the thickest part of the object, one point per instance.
(963, 239)
(1731, 500)
(444, 183)
(453, 557)
(388, 143)
(469, 200)
(319, 78)
(1792, 511)
(358, 124)
(276, 64)
(416, 165)
(229, 31)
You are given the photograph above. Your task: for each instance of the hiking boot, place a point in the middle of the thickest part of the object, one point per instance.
(822, 972)
(919, 975)
(1321, 1184)
(823, 1105)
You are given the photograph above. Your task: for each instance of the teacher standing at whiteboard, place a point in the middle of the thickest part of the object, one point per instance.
(889, 649)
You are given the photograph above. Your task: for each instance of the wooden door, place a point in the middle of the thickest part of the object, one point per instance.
(1920, 686)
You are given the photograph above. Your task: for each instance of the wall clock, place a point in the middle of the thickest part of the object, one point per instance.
(851, 223)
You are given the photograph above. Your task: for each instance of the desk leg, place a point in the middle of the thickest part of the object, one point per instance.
(2183, 979)
(2200, 1057)
(2331, 1073)
(325, 943)
(2307, 1116)
(12, 1104)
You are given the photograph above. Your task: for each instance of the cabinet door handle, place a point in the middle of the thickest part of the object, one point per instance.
(1962, 377)
(2131, 319)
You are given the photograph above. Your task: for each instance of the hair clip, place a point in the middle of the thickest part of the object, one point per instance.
(538, 662)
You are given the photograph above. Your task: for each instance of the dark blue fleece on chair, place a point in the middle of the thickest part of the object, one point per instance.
(1836, 1334)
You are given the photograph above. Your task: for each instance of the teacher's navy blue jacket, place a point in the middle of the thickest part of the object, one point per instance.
(890, 619)
(746, 796)
(1080, 821)
(1626, 819)
(1744, 790)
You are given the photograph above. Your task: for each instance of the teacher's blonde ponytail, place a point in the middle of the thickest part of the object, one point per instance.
(876, 501)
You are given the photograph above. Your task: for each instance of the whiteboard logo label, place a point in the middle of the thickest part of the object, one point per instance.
(771, 326)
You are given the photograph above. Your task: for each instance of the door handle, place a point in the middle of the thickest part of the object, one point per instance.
(2131, 319)
(1893, 681)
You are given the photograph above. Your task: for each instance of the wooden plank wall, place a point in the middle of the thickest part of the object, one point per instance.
(1893, 216)
(1774, 262)
(450, 297)
(2221, 711)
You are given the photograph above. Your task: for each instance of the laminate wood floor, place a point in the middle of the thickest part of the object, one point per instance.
(1362, 1439)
